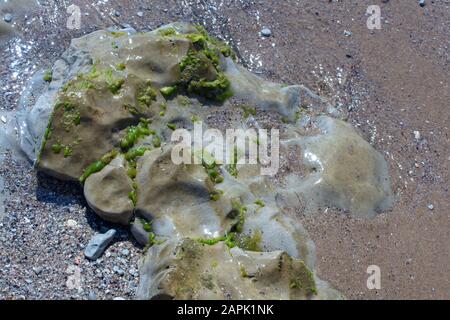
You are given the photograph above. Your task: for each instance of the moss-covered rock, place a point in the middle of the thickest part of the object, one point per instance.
(205, 224)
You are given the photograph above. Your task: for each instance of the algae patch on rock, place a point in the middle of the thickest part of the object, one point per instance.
(211, 230)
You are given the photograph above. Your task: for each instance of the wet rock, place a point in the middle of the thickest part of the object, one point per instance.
(71, 223)
(92, 295)
(98, 244)
(347, 172)
(107, 193)
(8, 18)
(111, 130)
(190, 270)
(266, 32)
(37, 270)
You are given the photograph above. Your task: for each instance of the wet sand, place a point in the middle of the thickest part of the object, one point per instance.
(389, 83)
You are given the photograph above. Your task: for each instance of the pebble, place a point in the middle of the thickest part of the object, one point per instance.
(417, 135)
(98, 244)
(3, 119)
(8, 18)
(118, 270)
(117, 13)
(430, 206)
(92, 295)
(266, 32)
(37, 270)
(71, 223)
(125, 252)
(347, 33)
(422, 3)
(140, 14)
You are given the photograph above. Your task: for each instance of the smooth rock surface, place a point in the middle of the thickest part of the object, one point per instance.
(98, 244)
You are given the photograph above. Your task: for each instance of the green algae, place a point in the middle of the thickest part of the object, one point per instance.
(238, 211)
(172, 126)
(156, 141)
(260, 203)
(121, 66)
(167, 32)
(98, 165)
(251, 243)
(244, 272)
(118, 34)
(133, 133)
(215, 195)
(200, 75)
(48, 76)
(168, 91)
(232, 168)
(68, 150)
(146, 95)
(57, 147)
(133, 197)
(303, 280)
(248, 111)
(213, 171)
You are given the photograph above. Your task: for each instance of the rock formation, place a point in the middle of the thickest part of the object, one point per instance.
(212, 230)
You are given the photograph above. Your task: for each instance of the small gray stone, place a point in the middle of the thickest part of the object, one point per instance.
(98, 244)
(140, 14)
(8, 18)
(125, 252)
(118, 270)
(266, 32)
(117, 13)
(422, 3)
(37, 270)
(92, 295)
(347, 33)
(430, 206)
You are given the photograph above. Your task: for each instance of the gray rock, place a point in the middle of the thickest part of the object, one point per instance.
(266, 32)
(92, 295)
(430, 206)
(347, 33)
(125, 252)
(422, 3)
(98, 244)
(117, 13)
(140, 14)
(37, 270)
(8, 18)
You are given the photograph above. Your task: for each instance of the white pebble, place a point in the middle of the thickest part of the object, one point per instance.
(266, 32)
(71, 223)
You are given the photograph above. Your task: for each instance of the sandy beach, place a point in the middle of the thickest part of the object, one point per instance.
(391, 83)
